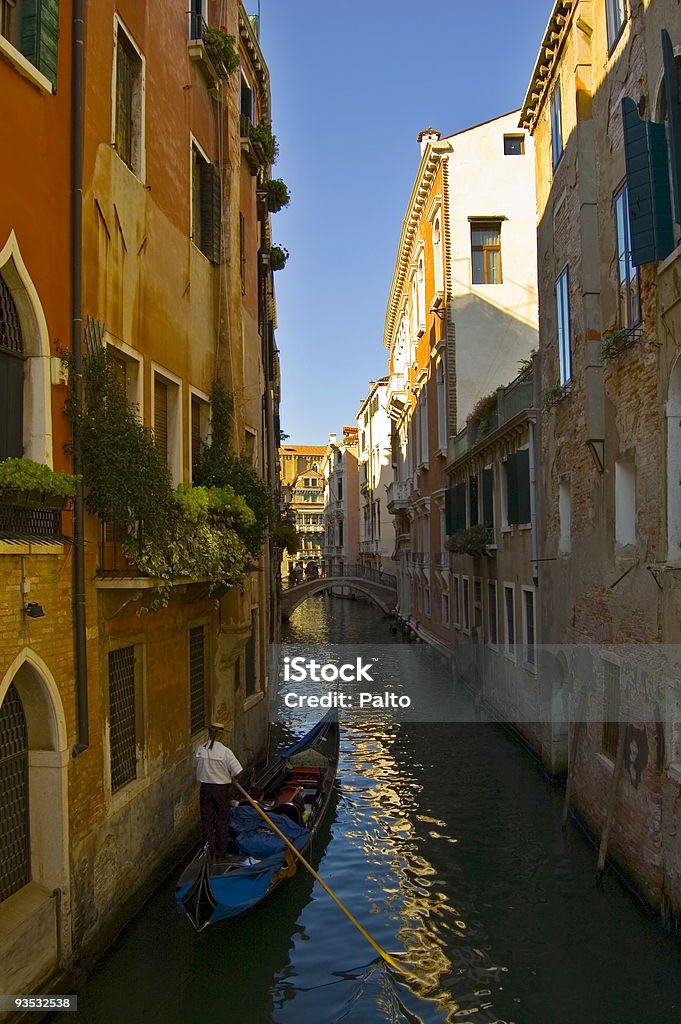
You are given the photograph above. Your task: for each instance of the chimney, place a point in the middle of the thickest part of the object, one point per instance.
(333, 438)
(426, 136)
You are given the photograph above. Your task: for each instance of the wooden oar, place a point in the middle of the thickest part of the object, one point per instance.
(308, 867)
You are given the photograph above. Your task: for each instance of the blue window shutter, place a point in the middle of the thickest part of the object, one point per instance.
(673, 97)
(40, 35)
(650, 211)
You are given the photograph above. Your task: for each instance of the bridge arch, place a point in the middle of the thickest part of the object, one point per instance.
(382, 596)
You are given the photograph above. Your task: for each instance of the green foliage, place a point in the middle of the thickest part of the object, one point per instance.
(555, 394)
(286, 536)
(127, 480)
(278, 257)
(277, 194)
(264, 140)
(468, 542)
(219, 466)
(611, 342)
(26, 475)
(222, 51)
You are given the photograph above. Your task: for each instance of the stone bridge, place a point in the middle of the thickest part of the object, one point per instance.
(379, 588)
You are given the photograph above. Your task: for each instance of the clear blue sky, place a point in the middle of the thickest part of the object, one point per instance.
(352, 85)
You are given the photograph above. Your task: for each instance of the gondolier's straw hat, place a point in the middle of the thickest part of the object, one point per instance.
(216, 725)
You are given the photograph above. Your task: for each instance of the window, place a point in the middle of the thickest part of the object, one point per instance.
(441, 385)
(625, 502)
(340, 488)
(129, 108)
(123, 731)
(486, 252)
(32, 27)
(492, 627)
(444, 609)
(556, 125)
(509, 619)
(200, 416)
(514, 145)
(15, 850)
(12, 358)
(456, 619)
(465, 604)
(197, 19)
(423, 426)
(563, 328)
(242, 252)
(252, 656)
(197, 679)
(617, 15)
(565, 517)
(628, 280)
(247, 105)
(126, 370)
(421, 296)
(206, 205)
(340, 533)
(488, 503)
(167, 423)
(473, 511)
(611, 709)
(529, 649)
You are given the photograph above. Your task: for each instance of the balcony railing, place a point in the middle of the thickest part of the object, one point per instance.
(511, 401)
(29, 523)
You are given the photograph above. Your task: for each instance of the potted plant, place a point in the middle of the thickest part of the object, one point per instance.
(277, 194)
(472, 541)
(482, 418)
(278, 257)
(264, 141)
(221, 50)
(25, 482)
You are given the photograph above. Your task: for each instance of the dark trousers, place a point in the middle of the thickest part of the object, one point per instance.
(215, 811)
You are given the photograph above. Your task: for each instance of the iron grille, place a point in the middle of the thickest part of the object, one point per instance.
(15, 858)
(126, 71)
(11, 337)
(197, 678)
(22, 522)
(122, 730)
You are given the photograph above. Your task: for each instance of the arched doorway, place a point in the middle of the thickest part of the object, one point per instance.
(35, 931)
(15, 847)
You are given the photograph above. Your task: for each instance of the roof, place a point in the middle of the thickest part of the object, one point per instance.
(303, 449)
(549, 52)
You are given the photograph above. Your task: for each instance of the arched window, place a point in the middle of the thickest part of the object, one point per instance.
(12, 357)
(438, 266)
(421, 294)
(15, 854)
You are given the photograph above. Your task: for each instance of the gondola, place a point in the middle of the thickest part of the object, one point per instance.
(297, 789)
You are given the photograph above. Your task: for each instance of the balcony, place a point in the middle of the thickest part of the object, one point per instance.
(512, 401)
(31, 523)
(203, 54)
(398, 496)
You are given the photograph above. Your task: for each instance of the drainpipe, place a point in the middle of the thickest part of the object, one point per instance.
(77, 121)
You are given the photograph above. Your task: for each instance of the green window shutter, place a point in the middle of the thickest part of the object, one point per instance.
(488, 497)
(512, 489)
(449, 511)
(209, 187)
(459, 507)
(40, 35)
(650, 213)
(673, 98)
(473, 502)
(523, 467)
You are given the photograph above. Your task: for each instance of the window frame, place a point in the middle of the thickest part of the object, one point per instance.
(510, 137)
(175, 426)
(628, 276)
(530, 663)
(510, 643)
(480, 224)
(137, 165)
(138, 646)
(556, 116)
(563, 327)
(612, 16)
(493, 614)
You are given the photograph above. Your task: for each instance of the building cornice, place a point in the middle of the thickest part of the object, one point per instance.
(432, 157)
(549, 54)
(249, 42)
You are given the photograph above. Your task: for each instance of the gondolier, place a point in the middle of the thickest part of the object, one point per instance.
(216, 767)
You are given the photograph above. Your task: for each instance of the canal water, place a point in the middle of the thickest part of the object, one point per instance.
(445, 842)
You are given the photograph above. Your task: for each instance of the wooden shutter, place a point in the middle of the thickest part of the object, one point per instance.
(673, 98)
(210, 207)
(512, 489)
(40, 35)
(473, 500)
(488, 497)
(650, 212)
(196, 434)
(161, 416)
(523, 464)
(125, 76)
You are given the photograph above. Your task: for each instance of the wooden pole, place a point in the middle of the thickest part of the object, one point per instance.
(308, 867)
(612, 800)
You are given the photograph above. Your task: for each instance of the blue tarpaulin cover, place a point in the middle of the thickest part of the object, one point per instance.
(255, 839)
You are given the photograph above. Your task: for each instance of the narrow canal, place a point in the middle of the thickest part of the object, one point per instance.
(446, 843)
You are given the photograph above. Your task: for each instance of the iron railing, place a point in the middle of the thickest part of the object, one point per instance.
(26, 522)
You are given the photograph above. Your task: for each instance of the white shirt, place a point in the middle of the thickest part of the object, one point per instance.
(217, 764)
